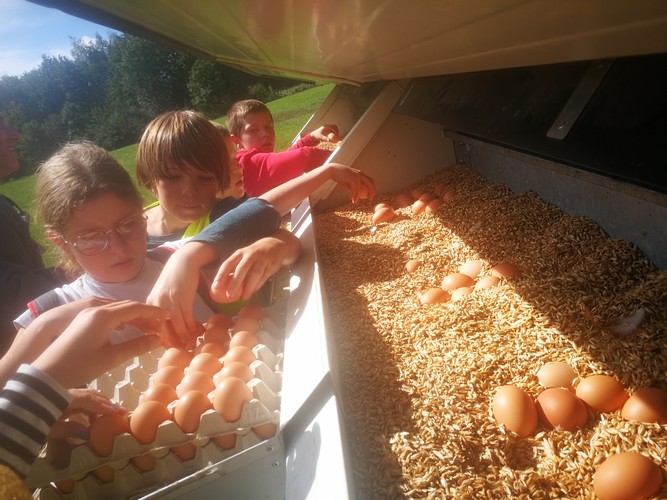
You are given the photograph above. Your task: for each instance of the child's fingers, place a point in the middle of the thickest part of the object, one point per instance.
(169, 336)
(94, 403)
(253, 280)
(222, 287)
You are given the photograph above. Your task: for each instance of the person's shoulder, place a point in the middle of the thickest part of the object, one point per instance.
(225, 205)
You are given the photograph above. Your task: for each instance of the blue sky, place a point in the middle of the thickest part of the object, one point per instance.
(28, 30)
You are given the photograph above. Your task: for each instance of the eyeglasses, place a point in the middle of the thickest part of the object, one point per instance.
(96, 242)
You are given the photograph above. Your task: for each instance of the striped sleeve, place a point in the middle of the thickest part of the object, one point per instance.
(30, 404)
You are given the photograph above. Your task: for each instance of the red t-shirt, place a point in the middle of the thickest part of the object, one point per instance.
(264, 171)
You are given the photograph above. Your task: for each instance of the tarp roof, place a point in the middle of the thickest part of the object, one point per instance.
(359, 41)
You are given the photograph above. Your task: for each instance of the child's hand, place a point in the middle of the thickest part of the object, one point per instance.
(326, 133)
(247, 269)
(83, 351)
(360, 185)
(175, 291)
(92, 403)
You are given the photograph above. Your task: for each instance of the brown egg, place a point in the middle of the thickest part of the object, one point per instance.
(385, 214)
(434, 295)
(189, 409)
(195, 380)
(433, 205)
(416, 193)
(215, 348)
(647, 405)
(229, 397)
(234, 369)
(515, 409)
(412, 265)
(169, 375)
(404, 200)
(185, 451)
(471, 268)
(602, 393)
(505, 270)
(103, 431)
(205, 362)
(144, 462)
(247, 324)
(175, 357)
(217, 335)
(65, 485)
(245, 338)
(426, 197)
(449, 195)
(380, 206)
(220, 321)
(418, 207)
(560, 409)
(456, 280)
(265, 431)
(627, 475)
(362, 192)
(145, 420)
(459, 293)
(556, 374)
(226, 441)
(487, 282)
(439, 188)
(240, 353)
(105, 473)
(164, 393)
(251, 310)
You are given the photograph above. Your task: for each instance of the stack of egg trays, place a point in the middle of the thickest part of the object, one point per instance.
(125, 384)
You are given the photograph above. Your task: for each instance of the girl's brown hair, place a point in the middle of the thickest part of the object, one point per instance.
(77, 173)
(178, 138)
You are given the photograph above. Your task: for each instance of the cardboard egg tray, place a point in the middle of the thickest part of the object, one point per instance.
(125, 384)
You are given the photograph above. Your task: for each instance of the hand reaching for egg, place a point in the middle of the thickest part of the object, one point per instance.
(84, 350)
(327, 133)
(92, 402)
(360, 185)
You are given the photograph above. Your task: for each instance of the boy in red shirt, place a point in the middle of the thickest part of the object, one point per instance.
(251, 125)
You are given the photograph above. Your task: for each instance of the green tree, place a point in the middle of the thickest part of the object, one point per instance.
(146, 78)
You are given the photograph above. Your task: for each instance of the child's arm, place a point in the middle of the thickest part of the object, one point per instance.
(244, 272)
(83, 350)
(36, 395)
(31, 341)
(264, 171)
(247, 269)
(176, 287)
(291, 193)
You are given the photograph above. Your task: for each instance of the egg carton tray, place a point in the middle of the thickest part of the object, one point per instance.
(130, 481)
(125, 384)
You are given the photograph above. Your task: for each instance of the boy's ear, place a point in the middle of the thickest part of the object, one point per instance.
(237, 142)
(57, 240)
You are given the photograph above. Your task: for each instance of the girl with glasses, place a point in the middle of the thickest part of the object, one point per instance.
(93, 213)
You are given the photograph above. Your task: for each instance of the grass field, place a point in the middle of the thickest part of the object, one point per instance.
(289, 113)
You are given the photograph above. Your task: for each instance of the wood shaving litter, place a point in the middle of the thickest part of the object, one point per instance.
(417, 380)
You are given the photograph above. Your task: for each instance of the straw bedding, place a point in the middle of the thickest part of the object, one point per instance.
(418, 380)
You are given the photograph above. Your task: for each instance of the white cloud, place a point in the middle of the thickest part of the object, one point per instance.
(17, 62)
